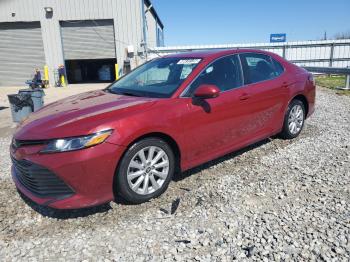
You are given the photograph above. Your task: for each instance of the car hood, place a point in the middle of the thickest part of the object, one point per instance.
(80, 115)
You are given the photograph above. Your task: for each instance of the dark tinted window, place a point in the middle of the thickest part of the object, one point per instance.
(257, 67)
(278, 67)
(225, 73)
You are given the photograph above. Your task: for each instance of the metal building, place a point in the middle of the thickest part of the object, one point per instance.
(87, 36)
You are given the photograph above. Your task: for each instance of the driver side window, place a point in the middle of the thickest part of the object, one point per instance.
(225, 73)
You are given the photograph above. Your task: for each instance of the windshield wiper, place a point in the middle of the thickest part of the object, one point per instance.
(125, 93)
(107, 90)
(120, 92)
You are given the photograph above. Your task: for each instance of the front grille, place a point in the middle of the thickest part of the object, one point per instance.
(39, 180)
(18, 143)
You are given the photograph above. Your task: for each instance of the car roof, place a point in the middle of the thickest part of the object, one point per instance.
(215, 53)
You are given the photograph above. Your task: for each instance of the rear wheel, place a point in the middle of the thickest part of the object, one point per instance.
(145, 170)
(293, 120)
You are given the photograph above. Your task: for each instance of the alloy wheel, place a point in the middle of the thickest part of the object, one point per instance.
(148, 170)
(295, 119)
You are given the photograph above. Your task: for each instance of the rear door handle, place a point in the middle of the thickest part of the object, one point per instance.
(285, 84)
(244, 97)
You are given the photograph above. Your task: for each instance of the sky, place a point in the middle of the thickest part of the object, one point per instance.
(194, 22)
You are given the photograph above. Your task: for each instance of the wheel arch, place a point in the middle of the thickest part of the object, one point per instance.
(305, 102)
(165, 137)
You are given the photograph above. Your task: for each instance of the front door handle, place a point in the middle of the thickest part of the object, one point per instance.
(245, 96)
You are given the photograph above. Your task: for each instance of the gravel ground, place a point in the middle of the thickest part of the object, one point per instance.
(276, 200)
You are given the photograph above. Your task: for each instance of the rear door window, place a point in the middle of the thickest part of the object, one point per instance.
(257, 68)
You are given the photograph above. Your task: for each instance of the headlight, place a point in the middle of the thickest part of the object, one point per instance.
(76, 143)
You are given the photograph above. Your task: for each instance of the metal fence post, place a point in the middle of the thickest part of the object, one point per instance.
(331, 55)
(284, 51)
(347, 84)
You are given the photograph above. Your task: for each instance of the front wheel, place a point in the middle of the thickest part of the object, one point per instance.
(145, 170)
(293, 120)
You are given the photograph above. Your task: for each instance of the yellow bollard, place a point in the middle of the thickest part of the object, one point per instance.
(46, 73)
(116, 71)
(63, 81)
(46, 77)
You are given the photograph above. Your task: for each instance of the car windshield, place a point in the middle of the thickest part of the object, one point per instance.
(158, 78)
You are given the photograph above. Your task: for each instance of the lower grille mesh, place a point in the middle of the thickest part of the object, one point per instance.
(39, 180)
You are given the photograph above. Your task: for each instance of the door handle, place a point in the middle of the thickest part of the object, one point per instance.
(244, 97)
(285, 84)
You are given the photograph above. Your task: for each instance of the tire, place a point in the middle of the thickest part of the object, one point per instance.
(155, 173)
(289, 130)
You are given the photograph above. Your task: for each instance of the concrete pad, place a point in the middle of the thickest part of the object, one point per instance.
(51, 94)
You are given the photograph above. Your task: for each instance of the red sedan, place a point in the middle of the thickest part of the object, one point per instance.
(168, 115)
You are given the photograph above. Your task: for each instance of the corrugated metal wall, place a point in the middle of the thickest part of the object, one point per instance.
(21, 51)
(126, 15)
(88, 39)
(151, 30)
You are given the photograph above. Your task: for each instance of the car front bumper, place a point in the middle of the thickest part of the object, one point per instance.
(66, 180)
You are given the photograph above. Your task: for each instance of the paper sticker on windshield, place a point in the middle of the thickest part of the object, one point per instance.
(188, 61)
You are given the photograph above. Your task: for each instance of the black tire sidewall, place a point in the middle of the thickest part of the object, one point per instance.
(286, 132)
(122, 185)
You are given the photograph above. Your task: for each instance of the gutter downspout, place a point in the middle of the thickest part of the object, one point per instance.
(144, 28)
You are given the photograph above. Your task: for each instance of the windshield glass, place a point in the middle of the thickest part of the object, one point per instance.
(158, 78)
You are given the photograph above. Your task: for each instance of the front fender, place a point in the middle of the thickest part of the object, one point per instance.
(162, 119)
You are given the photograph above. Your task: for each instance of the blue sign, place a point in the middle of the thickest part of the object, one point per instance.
(275, 38)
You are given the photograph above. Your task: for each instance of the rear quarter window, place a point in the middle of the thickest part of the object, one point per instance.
(278, 67)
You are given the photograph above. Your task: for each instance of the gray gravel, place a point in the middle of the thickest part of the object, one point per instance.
(277, 200)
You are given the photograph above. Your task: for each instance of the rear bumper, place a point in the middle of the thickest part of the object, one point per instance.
(311, 109)
(311, 98)
(89, 173)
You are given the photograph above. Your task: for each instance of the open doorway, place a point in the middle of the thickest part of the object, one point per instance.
(90, 70)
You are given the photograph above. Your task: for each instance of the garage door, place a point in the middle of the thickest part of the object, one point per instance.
(88, 39)
(21, 51)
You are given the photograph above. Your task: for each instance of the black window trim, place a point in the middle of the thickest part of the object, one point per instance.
(273, 64)
(184, 93)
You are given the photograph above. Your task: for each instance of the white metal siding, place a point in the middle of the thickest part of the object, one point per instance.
(160, 36)
(151, 29)
(21, 51)
(126, 15)
(88, 39)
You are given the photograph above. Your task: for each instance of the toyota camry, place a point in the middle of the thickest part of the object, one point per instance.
(166, 116)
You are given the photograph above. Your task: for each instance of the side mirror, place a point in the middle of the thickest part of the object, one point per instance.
(207, 91)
